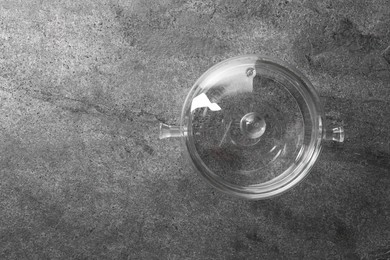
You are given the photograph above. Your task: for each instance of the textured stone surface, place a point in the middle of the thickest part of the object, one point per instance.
(84, 84)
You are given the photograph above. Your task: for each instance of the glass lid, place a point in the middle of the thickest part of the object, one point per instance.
(252, 122)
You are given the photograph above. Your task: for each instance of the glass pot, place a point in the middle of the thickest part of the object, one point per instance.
(252, 126)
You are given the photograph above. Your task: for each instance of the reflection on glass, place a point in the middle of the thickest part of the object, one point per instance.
(203, 101)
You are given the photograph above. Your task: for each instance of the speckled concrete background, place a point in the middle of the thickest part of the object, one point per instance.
(84, 84)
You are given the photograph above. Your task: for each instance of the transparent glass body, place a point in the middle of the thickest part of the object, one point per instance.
(252, 126)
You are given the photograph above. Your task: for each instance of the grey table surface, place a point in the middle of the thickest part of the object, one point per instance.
(84, 85)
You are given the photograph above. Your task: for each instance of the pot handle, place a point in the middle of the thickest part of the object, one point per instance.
(167, 131)
(335, 134)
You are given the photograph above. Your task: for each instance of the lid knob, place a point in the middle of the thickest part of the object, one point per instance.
(252, 125)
